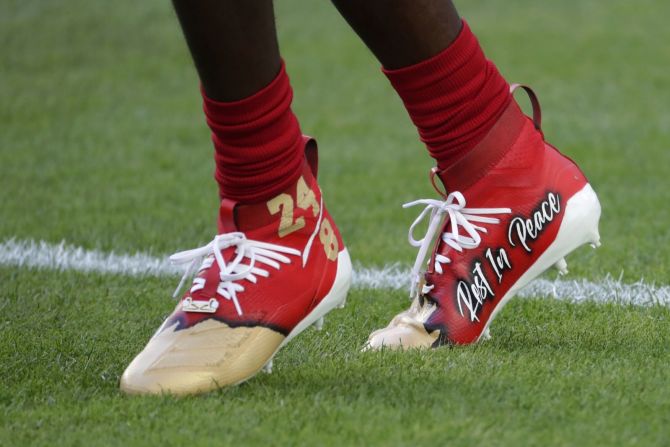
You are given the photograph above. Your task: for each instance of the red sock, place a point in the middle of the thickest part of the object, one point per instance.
(453, 98)
(258, 142)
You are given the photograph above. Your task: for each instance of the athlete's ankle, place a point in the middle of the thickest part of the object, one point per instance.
(258, 142)
(453, 98)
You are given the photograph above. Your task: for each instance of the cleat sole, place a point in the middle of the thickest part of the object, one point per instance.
(579, 227)
(561, 266)
(336, 298)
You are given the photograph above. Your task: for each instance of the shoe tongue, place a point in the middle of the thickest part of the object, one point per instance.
(234, 216)
(227, 222)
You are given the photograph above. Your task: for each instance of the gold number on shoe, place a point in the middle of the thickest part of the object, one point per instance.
(328, 239)
(306, 197)
(284, 203)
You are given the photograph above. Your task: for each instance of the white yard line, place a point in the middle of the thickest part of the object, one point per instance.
(44, 255)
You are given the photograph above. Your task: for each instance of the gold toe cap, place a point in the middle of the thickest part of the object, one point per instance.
(202, 358)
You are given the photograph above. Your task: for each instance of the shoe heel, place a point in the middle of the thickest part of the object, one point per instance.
(580, 224)
(579, 227)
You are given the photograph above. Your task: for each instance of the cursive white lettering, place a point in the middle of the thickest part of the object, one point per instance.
(526, 230)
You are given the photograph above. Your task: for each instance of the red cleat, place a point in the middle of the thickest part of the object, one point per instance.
(528, 206)
(274, 269)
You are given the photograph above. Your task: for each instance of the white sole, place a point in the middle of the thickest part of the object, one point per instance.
(336, 298)
(579, 227)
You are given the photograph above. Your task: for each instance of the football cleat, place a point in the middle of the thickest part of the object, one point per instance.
(274, 269)
(515, 206)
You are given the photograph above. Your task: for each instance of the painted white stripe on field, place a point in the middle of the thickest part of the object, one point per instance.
(43, 255)
(578, 290)
(68, 257)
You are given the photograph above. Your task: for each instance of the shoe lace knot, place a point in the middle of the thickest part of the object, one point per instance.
(257, 253)
(461, 230)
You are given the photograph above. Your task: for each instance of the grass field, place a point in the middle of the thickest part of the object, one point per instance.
(103, 145)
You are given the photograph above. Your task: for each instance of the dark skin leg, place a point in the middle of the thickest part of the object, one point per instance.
(402, 32)
(233, 44)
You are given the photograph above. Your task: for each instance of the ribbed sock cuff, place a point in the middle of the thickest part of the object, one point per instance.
(257, 140)
(453, 98)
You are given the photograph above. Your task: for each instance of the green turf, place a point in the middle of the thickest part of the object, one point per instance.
(102, 144)
(553, 373)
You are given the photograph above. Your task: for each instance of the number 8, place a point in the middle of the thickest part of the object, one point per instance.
(328, 239)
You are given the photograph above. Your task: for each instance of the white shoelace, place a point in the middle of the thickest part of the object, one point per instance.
(459, 216)
(234, 270)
